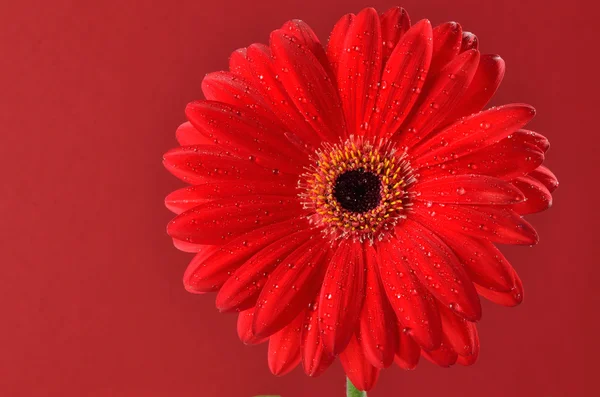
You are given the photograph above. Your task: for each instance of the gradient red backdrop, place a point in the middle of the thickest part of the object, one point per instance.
(91, 296)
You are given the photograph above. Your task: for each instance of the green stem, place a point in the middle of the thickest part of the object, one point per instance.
(352, 391)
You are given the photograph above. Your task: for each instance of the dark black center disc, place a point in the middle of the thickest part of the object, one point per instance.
(357, 190)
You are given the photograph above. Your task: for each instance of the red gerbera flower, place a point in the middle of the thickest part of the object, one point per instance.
(346, 200)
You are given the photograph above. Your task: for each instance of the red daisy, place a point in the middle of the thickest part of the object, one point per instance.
(346, 200)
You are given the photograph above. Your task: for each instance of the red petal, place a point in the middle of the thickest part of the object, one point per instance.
(284, 347)
(395, 22)
(496, 224)
(244, 285)
(532, 138)
(469, 42)
(538, 198)
(546, 177)
(200, 164)
(188, 247)
(337, 38)
(273, 92)
(437, 268)
(470, 360)
(408, 352)
(378, 336)
(361, 60)
(307, 38)
(486, 81)
(238, 64)
(444, 356)
(468, 189)
(493, 276)
(244, 328)
(506, 159)
(187, 135)
(483, 262)
(234, 90)
(189, 197)
(315, 358)
(245, 135)
(309, 85)
(414, 306)
(207, 273)
(447, 39)
(358, 369)
(290, 288)
(511, 298)
(217, 222)
(402, 80)
(473, 133)
(460, 333)
(342, 296)
(441, 94)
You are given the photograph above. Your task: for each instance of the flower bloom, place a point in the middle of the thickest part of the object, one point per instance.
(346, 200)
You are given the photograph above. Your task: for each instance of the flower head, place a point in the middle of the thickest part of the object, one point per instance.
(346, 200)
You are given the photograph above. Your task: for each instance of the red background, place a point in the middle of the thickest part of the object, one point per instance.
(91, 296)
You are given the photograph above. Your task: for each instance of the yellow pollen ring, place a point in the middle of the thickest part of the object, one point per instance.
(330, 162)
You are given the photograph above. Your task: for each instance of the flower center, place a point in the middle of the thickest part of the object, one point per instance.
(357, 189)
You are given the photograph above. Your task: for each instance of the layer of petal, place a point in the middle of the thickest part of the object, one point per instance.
(402, 80)
(469, 42)
(546, 177)
(468, 189)
(337, 40)
(244, 285)
(408, 352)
(244, 328)
(538, 198)
(486, 81)
(440, 95)
(309, 86)
(342, 296)
(460, 334)
(261, 65)
(217, 222)
(202, 163)
(358, 369)
(395, 22)
(511, 298)
(378, 332)
(447, 39)
(234, 90)
(187, 135)
(497, 224)
(284, 347)
(437, 268)
(306, 37)
(483, 262)
(245, 135)
(506, 160)
(290, 288)
(315, 358)
(444, 356)
(208, 271)
(414, 306)
(191, 196)
(357, 79)
(473, 133)
(188, 247)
